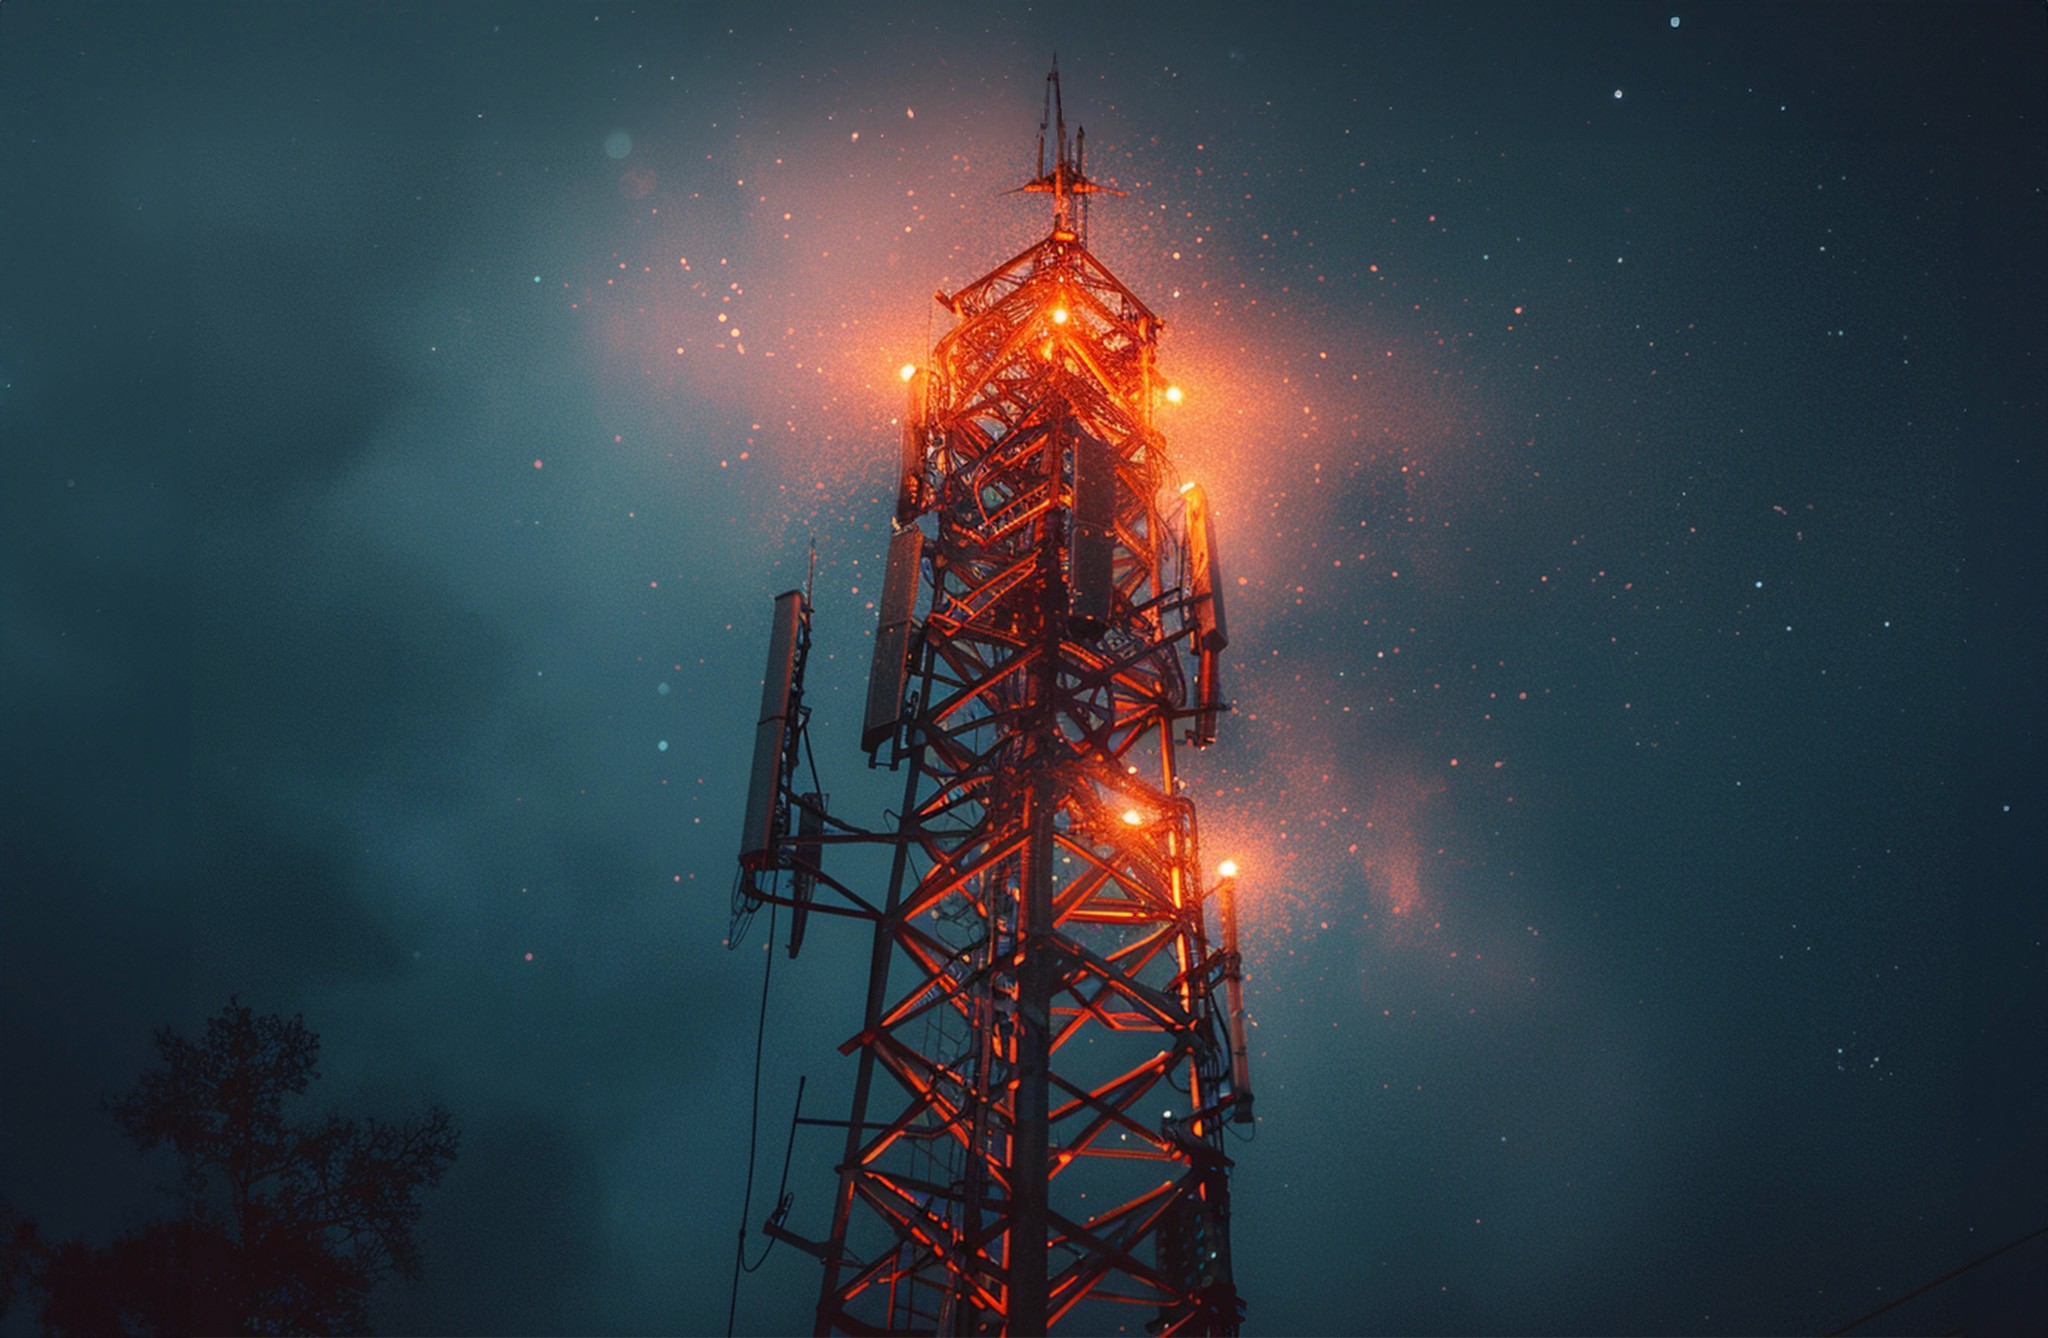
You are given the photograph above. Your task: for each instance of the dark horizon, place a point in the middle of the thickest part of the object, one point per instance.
(1626, 423)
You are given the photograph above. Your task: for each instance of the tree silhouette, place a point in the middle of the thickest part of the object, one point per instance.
(283, 1227)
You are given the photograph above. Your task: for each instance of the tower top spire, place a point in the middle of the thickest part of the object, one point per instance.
(1067, 177)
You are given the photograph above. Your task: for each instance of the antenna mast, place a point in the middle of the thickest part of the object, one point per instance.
(1052, 1041)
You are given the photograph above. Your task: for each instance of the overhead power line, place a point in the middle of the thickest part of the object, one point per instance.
(1949, 1276)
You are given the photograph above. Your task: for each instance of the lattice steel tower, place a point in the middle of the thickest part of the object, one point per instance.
(1052, 1042)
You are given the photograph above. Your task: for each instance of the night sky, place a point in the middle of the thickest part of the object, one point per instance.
(1625, 427)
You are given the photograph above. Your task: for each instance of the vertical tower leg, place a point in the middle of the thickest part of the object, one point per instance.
(1031, 1160)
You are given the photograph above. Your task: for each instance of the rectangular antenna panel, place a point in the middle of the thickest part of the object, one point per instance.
(910, 464)
(1208, 699)
(890, 672)
(806, 853)
(1205, 573)
(1091, 562)
(1233, 993)
(758, 834)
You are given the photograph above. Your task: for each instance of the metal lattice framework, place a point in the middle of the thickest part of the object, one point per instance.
(1045, 1062)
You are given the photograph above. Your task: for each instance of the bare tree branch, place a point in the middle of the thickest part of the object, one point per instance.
(285, 1227)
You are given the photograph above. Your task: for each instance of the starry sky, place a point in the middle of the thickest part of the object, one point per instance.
(1624, 424)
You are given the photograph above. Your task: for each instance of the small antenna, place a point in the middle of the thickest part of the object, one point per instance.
(1067, 177)
(1059, 107)
(1081, 175)
(1045, 117)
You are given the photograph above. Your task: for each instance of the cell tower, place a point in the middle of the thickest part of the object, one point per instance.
(1052, 1043)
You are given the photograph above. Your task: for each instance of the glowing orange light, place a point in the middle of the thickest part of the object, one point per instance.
(1133, 817)
(1059, 315)
(908, 370)
(1173, 394)
(1228, 868)
(1185, 486)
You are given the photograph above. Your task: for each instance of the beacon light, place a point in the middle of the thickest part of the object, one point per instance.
(1059, 315)
(1132, 817)
(908, 370)
(1173, 394)
(1228, 868)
